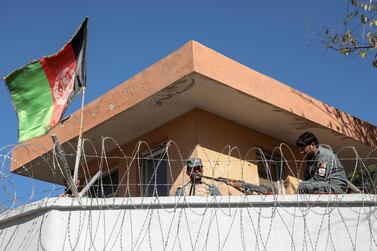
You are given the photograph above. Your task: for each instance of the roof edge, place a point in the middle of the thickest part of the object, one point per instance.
(214, 65)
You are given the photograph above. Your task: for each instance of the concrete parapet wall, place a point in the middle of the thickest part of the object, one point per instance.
(294, 222)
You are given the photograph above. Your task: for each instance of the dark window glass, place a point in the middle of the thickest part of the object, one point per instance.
(154, 172)
(274, 168)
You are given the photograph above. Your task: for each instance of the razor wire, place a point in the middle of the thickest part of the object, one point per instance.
(169, 220)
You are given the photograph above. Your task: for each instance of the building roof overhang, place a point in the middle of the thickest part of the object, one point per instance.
(195, 76)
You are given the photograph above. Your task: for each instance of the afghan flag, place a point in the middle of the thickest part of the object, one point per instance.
(42, 90)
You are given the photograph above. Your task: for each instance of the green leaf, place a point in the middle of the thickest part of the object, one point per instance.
(344, 51)
(363, 54)
(372, 41)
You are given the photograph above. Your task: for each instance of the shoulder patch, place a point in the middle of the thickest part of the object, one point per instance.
(321, 172)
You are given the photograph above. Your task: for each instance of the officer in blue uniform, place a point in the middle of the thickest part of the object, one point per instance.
(324, 173)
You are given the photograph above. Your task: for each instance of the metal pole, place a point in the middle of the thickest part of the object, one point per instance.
(91, 182)
(62, 161)
(79, 142)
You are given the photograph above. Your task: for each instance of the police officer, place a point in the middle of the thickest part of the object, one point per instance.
(324, 173)
(196, 186)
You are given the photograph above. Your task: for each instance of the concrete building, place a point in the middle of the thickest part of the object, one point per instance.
(195, 103)
(202, 101)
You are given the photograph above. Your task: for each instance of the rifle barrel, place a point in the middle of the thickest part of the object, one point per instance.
(248, 187)
(212, 178)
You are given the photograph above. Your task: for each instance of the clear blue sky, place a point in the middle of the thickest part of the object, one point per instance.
(125, 37)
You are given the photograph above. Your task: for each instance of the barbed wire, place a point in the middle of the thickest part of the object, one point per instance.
(134, 206)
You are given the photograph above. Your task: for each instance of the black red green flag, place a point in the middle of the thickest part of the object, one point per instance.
(42, 90)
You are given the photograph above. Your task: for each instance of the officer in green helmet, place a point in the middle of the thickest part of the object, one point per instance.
(196, 186)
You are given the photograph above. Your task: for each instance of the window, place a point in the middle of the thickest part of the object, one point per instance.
(273, 173)
(154, 175)
(271, 176)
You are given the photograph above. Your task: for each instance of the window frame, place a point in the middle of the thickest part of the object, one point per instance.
(155, 154)
(276, 172)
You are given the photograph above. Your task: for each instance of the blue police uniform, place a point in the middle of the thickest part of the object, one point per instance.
(324, 174)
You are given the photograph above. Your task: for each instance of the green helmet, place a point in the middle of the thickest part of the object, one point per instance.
(193, 162)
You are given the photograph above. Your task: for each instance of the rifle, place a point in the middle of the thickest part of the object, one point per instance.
(240, 185)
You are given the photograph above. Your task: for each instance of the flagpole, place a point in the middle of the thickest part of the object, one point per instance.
(79, 142)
